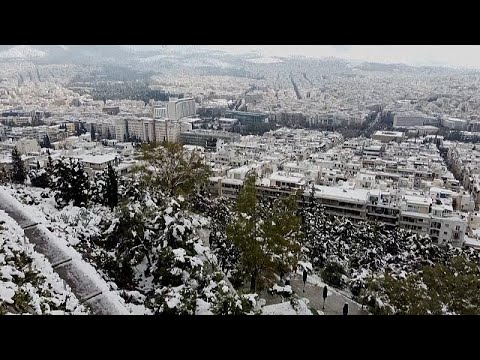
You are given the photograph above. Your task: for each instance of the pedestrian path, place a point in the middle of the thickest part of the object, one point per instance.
(314, 293)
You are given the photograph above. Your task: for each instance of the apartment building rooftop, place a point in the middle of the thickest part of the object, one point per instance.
(357, 195)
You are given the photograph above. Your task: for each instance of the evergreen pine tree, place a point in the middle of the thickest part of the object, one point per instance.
(18, 172)
(92, 132)
(4, 175)
(70, 183)
(46, 142)
(80, 183)
(111, 187)
(49, 169)
(60, 182)
(97, 188)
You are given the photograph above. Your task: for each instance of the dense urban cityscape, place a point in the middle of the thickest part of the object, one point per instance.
(183, 180)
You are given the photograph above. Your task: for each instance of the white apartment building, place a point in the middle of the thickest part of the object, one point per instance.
(98, 162)
(121, 130)
(454, 123)
(387, 136)
(17, 120)
(146, 129)
(338, 201)
(406, 120)
(292, 181)
(383, 206)
(415, 213)
(434, 217)
(159, 112)
(27, 146)
(136, 128)
(167, 130)
(444, 228)
(373, 150)
(177, 109)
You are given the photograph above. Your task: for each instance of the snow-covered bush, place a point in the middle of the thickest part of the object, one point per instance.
(334, 274)
(151, 245)
(284, 291)
(39, 178)
(70, 183)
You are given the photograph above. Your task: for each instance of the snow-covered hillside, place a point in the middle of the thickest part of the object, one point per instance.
(28, 284)
(22, 52)
(265, 60)
(90, 235)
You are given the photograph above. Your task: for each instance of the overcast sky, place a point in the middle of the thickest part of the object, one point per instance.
(452, 55)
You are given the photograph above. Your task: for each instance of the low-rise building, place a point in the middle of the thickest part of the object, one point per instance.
(387, 136)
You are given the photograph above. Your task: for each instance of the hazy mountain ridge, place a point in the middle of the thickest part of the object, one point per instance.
(157, 57)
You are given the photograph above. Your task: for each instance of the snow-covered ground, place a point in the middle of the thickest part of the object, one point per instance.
(286, 308)
(66, 223)
(75, 227)
(314, 279)
(66, 226)
(28, 284)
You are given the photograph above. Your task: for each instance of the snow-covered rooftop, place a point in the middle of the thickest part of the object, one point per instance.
(472, 242)
(417, 200)
(389, 133)
(293, 178)
(97, 159)
(333, 192)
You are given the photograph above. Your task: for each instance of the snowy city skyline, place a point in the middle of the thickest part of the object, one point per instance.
(239, 180)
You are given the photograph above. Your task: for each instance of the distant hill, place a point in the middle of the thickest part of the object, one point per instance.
(194, 57)
(370, 66)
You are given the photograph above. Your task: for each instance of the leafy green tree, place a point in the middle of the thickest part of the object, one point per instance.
(450, 288)
(266, 234)
(173, 169)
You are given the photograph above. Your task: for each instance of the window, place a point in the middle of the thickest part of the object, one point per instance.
(457, 228)
(444, 233)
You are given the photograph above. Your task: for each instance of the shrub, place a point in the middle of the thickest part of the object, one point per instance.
(334, 274)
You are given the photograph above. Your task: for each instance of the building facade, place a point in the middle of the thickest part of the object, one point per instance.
(177, 109)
